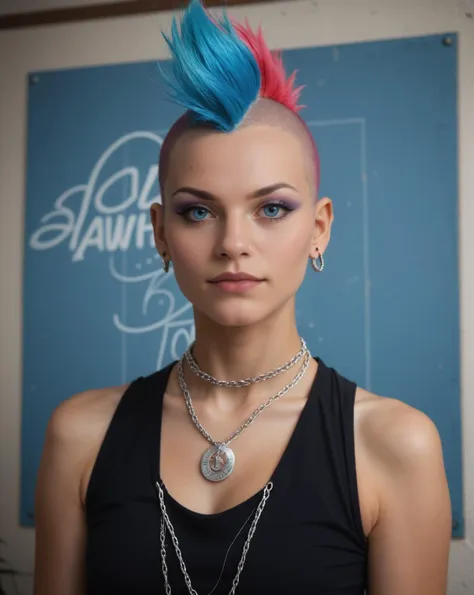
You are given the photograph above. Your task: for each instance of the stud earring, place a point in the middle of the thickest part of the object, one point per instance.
(318, 267)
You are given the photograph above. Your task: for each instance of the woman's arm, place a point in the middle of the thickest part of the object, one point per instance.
(59, 516)
(409, 545)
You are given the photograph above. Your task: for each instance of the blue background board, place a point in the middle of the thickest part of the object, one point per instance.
(98, 309)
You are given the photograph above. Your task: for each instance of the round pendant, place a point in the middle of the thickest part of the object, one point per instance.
(217, 462)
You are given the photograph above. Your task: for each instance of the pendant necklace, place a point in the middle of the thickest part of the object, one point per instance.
(218, 461)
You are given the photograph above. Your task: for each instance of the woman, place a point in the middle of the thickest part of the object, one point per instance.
(248, 466)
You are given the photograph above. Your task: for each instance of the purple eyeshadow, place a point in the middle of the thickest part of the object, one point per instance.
(183, 206)
(286, 203)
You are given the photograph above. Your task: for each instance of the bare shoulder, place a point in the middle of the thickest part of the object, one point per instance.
(78, 425)
(73, 437)
(81, 418)
(401, 453)
(395, 433)
(75, 415)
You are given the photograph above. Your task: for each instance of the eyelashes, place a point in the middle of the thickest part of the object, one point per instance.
(199, 211)
(271, 210)
(280, 206)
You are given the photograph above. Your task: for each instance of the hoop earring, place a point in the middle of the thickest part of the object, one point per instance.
(166, 263)
(314, 262)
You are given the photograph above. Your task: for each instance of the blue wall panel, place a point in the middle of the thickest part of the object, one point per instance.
(99, 311)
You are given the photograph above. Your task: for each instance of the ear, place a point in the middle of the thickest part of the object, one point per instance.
(157, 220)
(323, 219)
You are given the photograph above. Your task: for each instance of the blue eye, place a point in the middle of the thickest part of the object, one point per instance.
(271, 210)
(275, 210)
(197, 213)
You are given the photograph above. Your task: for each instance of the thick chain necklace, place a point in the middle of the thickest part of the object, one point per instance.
(166, 524)
(218, 461)
(247, 381)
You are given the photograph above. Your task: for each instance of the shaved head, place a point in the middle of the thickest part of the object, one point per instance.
(270, 113)
(263, 112)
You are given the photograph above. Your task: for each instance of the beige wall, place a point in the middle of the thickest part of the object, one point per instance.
(17, 6)
(287, 25)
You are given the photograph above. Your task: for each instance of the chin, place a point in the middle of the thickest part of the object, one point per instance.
(235, 314)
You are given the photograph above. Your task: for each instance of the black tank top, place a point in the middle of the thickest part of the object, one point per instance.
(309, 539)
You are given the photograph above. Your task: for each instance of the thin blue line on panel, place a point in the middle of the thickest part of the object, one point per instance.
(365, 233)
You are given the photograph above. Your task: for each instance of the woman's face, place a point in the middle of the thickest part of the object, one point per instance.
(242, 202)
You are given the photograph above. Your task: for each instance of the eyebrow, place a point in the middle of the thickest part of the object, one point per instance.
(203, 194)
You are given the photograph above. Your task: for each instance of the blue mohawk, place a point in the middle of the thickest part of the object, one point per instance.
(217, 77)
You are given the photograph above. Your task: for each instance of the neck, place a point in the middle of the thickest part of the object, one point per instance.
(235, 353)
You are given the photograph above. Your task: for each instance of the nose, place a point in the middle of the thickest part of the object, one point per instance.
(234, 239)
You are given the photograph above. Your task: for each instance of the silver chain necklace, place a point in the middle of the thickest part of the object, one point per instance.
(247, 381)
(218, 461)
(166, 524)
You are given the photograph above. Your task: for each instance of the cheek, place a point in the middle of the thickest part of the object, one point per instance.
(188, 250)
(291, 241)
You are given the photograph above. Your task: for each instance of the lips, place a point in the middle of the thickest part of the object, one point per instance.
(234, 278)
(236, 283)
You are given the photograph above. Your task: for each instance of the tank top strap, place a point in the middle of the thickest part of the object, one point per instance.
(333, 416)
(133, 429)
